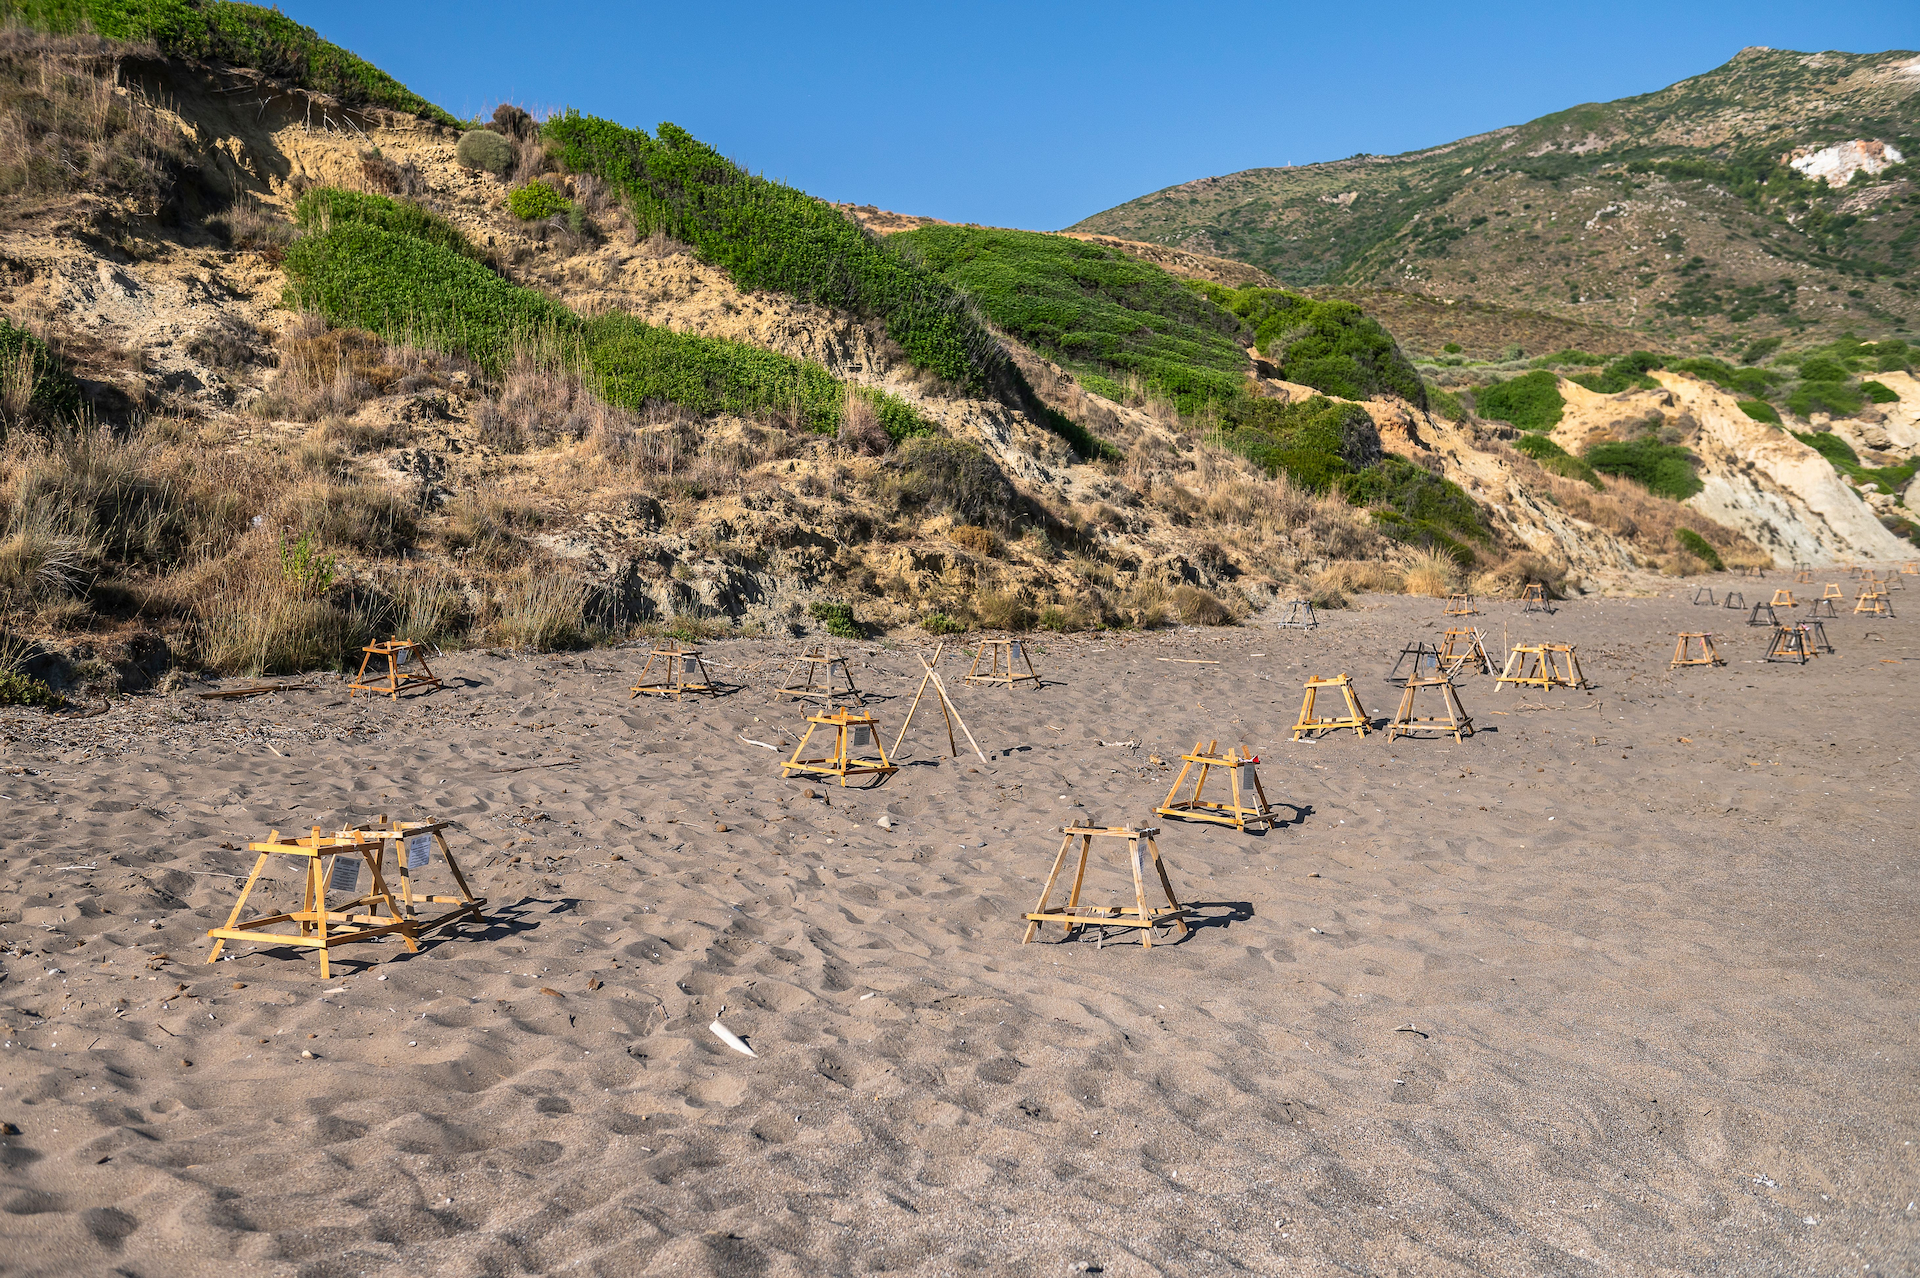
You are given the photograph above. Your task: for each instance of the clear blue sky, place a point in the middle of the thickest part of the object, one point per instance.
(1037, 115)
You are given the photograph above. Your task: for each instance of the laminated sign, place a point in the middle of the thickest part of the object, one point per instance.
(418, 847)
(346, 874)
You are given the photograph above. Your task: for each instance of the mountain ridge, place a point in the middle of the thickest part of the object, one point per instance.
(1530, 214)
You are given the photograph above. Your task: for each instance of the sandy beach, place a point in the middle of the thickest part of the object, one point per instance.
(1622, 984)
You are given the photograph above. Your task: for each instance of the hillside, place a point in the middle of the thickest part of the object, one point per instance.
(1677, 214)
(287, 370)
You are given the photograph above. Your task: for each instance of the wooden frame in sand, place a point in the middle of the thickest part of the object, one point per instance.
(1299, 616)
(1462, 606)
(947, 708)
(1789, 643)
(1683, 655)
(822, 662)
(1242, 779)
(1000, 654)
(401, 657)
(1873, 602)
(673, 681)
(1355, 718)
(1074, 915)
(1464, 646)
(853, 733)
(1405, 722)
(1783, 598)
(1803, 574)
(1534, 598)
(327, 928)
(1543, 665)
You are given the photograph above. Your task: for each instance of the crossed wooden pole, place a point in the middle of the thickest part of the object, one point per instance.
(946, 707)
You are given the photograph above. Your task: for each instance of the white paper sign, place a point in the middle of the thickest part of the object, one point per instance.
(346, 874)
(418, 848)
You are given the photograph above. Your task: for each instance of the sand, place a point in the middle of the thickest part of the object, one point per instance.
(1623, 984)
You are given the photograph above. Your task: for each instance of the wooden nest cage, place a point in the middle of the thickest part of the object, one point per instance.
(681, 671)
(1073, 916)
(1247, 801)
(857, 749)
(347, 852)
(397, 664)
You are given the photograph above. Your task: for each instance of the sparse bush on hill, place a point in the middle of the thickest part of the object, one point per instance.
(766, 235)
(1334, 347)
(939, 475)
(485, 150)
(244, 35)
(1699, 547)
(1098, 312)
(1628, 372)
(36, 390)
(1556, 459)
(1760, 411)
(836, 619)
(1531, 401)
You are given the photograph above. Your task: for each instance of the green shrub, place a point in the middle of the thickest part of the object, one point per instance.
(837, 618)
(1760, 410)
(1334, 347)
(1092, 309)
(1452, 348)
(1569, 358)
(242, 35)
(1834, 398)
(1627, 372)
(534, 200)
(1665, 469)
(939, 623)
(1445, 403)
(1829, 446)
(35, 387)
(1880, 393)
(1315, 440)
(1755, 382)
(416, 288)
(767, 235)
(1531, 401)
(1414, 505)
(1822, 369)
(484, 149)
(1556, 459)
(325, 207)
(1699, 547)
(940, 475)
(17, 689)
(1759, 350)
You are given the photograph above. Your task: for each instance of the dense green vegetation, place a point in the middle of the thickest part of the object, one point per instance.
(245, 35)
(1556, 459)
(324, 207)
(18, 689)
(1760, 411)
(1332, 346)
(536, 199)
(1096, 311)
(1415, 505)
(1666, 470)
(1531, 401)
(1626, 372)
(1837, 451)
(767, 235)
(1836, 398)
(1699, 547)
(35, 387)
(1318, 442)
(421, 289)
(1332, 446)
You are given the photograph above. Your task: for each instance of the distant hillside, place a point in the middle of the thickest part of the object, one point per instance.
(1679, 214)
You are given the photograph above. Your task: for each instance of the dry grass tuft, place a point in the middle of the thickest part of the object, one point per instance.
(1429, 572)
